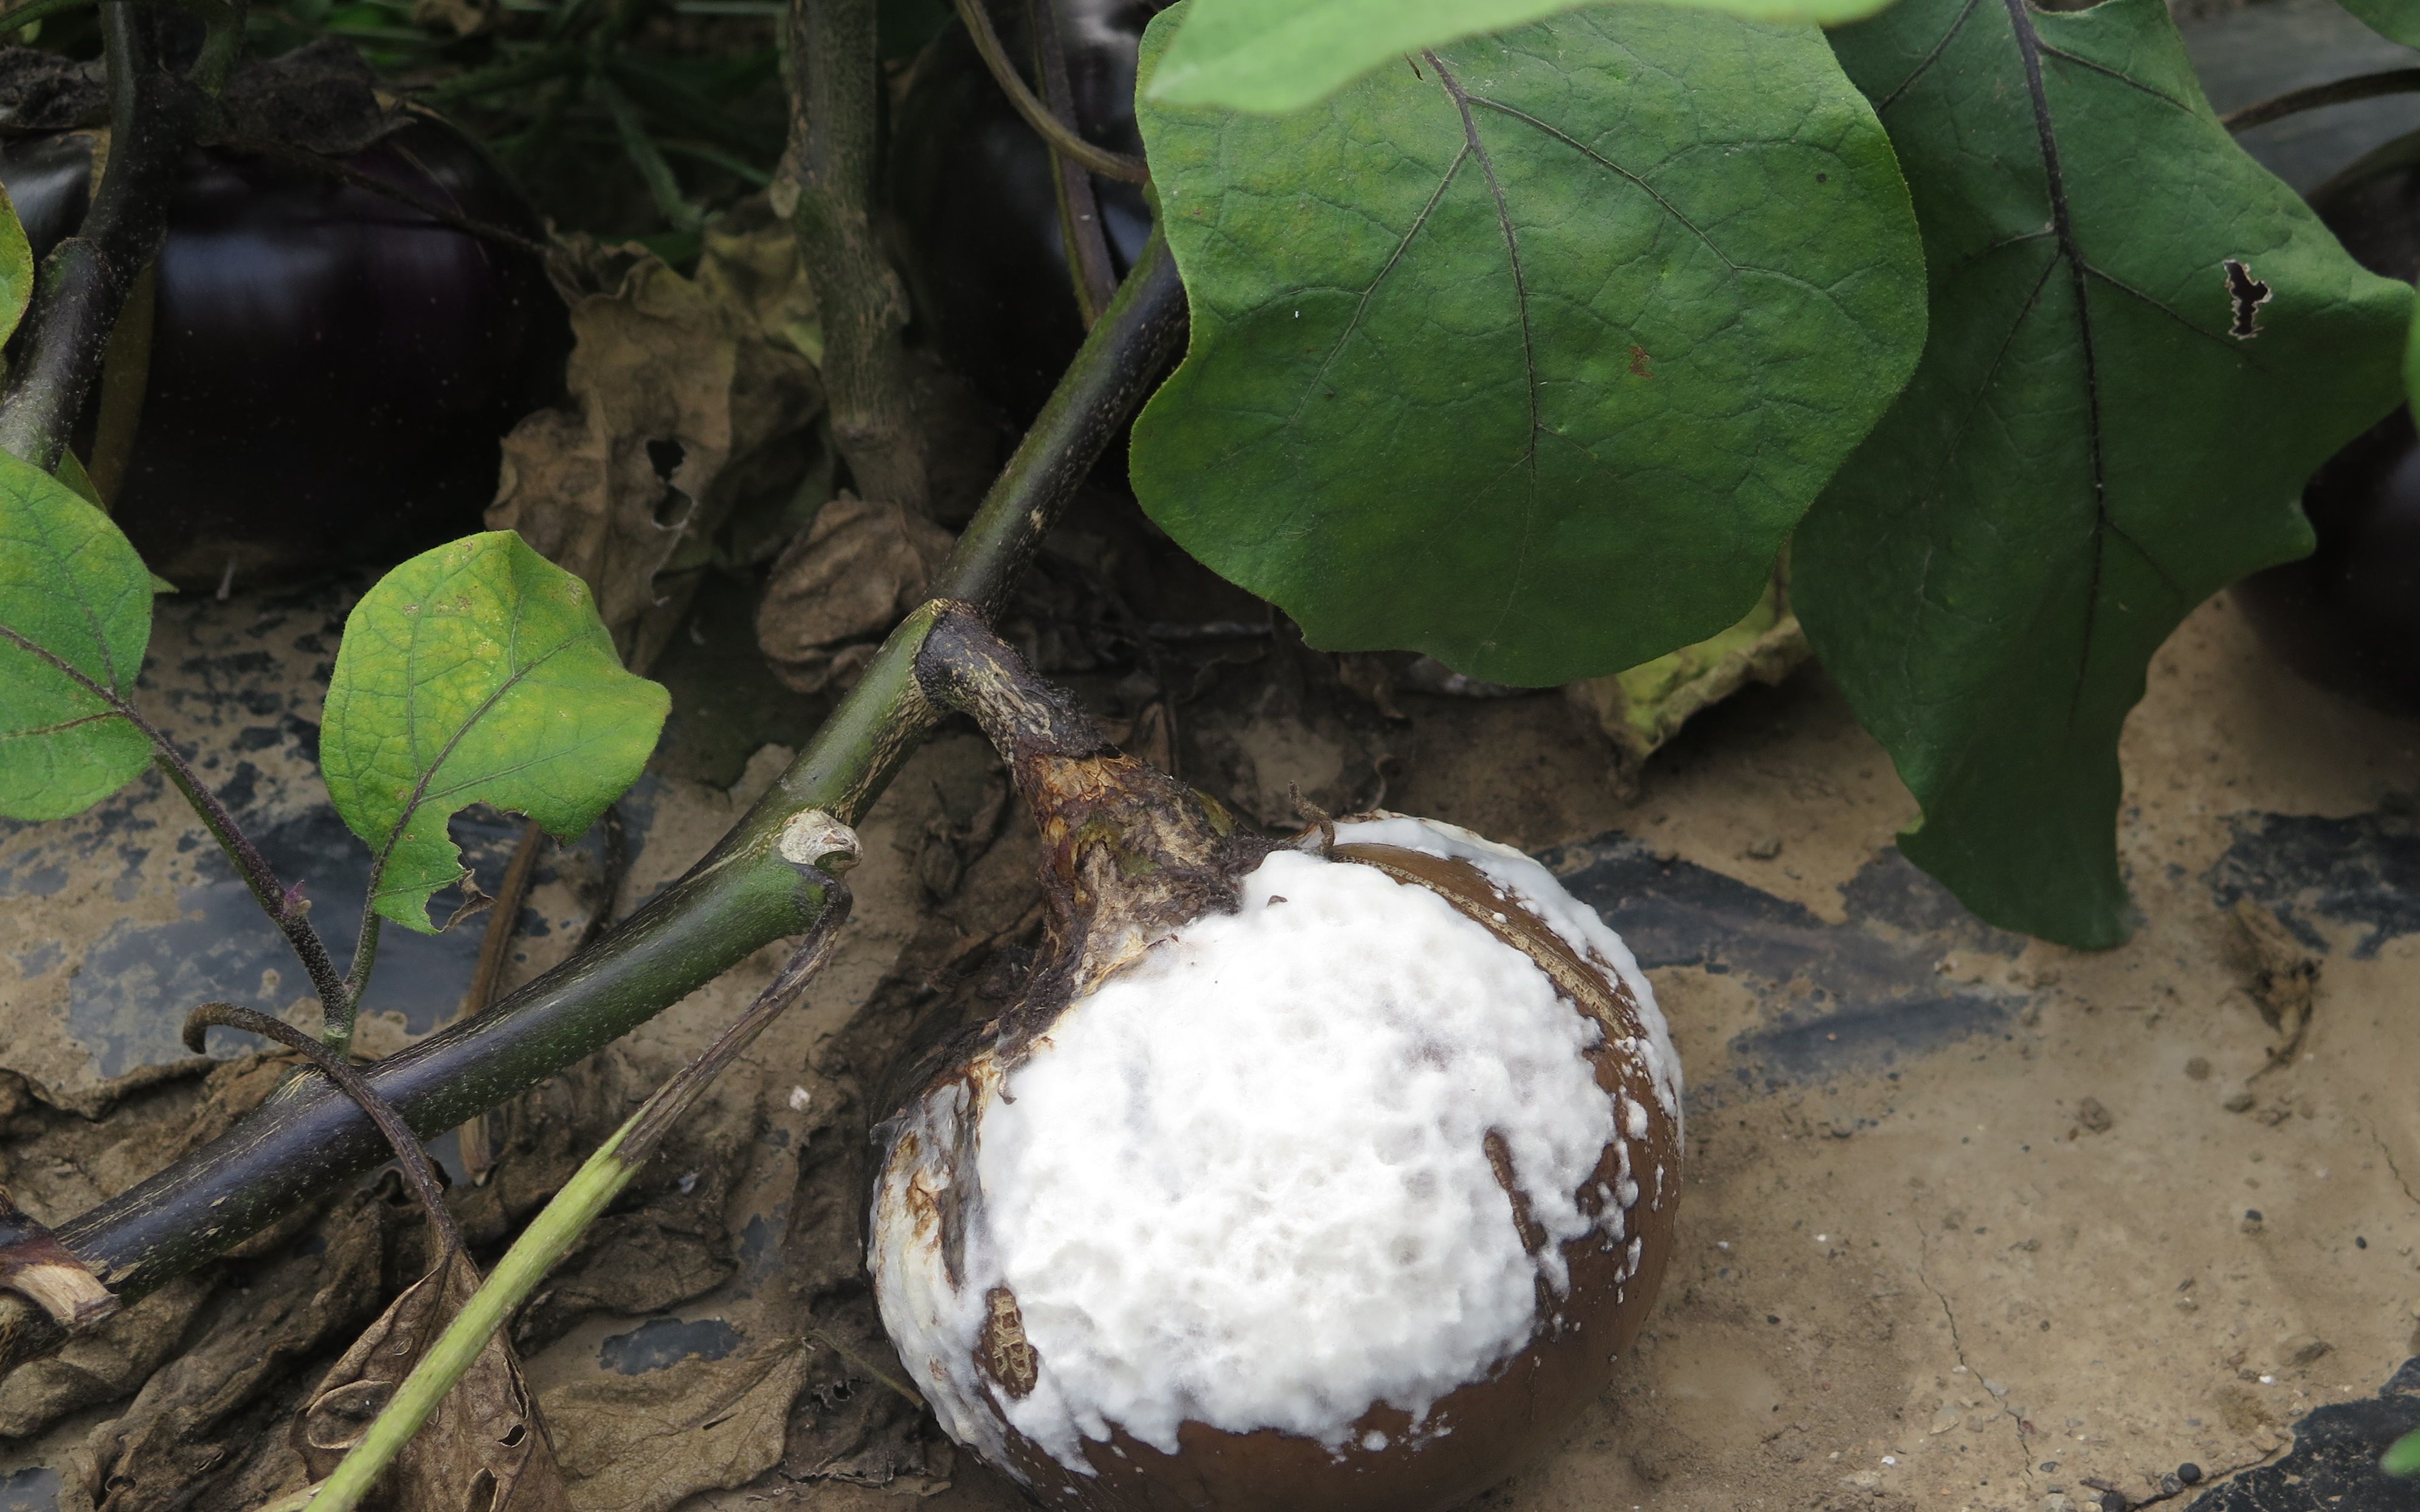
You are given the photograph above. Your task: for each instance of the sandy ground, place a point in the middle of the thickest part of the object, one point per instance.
(1968, 1220)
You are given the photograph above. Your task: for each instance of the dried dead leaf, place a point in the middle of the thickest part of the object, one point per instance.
(2284, 973)
(688, 398)
(649, 1441)
(193, 1419)
(485, 1448)
(859, 566)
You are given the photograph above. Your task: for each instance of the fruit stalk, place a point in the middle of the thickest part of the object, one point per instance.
(740, 897)
(85, 280)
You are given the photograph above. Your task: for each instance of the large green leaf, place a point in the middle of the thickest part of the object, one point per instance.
(477, 672)
(1530, 360)
(2141, 345)
(75, 614)
(1283, 55)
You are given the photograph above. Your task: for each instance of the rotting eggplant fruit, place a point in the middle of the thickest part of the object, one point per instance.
(1331, 1172)
(330, 370)
(2347, 615)
(977, 209)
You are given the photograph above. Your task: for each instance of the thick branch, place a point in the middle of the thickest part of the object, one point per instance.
(834, 72)
(743, 895)
(86, 278)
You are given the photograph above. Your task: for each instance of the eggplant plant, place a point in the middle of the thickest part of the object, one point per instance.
(1523, 334)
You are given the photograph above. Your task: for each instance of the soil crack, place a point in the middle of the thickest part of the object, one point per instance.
(1957, 1347)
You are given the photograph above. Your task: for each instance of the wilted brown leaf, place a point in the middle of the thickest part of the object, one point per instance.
(483, 1450)
(689, 397)
(859, 566)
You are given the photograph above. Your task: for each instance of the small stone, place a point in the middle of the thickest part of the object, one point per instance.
(2189, 1473)
(2095, 1116)
(2273, 1116)
(2305, 1348)
(2171, 1486)
(2198, 1068)
(2251, 1223)
(1764, 847)
(2057, 1502)
(2238, 1103)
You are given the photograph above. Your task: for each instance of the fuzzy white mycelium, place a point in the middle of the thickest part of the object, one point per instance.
(1244, 1183)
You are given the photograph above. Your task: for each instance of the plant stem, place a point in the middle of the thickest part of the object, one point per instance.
(834, 71)
(1079, 209)
(740, 897)
(417, 1170)
(558, 1226)
(287, 912)
(663, 185)
(86, 278)
(1060, 136)
(2335, 92)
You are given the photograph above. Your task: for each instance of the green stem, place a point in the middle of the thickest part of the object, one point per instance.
(2335, 92)
(591, 1190)
(21, 17)
(741, 897)
(663, 185)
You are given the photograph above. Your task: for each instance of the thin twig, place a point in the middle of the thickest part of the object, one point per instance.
(283, 908)
(2335, 92)
(1079, 209)
(504, 924)
(663, 185)
(345, 173)
(417, 1168)
(1061, 137)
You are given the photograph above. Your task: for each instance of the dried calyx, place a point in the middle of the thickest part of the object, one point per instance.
(1328, 1171)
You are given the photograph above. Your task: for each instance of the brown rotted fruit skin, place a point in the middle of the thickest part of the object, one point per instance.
(1499, 1424)
(331, 371)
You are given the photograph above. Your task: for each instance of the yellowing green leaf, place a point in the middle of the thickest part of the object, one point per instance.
(477, 672)
(1529, 360)
(2141, 343)
(75, 614)
(1274, 56)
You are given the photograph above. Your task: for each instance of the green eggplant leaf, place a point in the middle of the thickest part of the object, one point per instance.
(476, 672)
(75, 614)
(1276, 55)
(1532, 357)
(16, 268)
(2141, 345)
(2395, 19)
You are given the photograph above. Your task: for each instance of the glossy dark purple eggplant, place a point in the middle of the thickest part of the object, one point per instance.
(331, 370)
(978, 212)
(2347, 615)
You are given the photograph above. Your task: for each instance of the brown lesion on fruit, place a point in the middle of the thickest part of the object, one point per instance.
(1500, 1160)
(1001, 1349)
(1129, 853)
